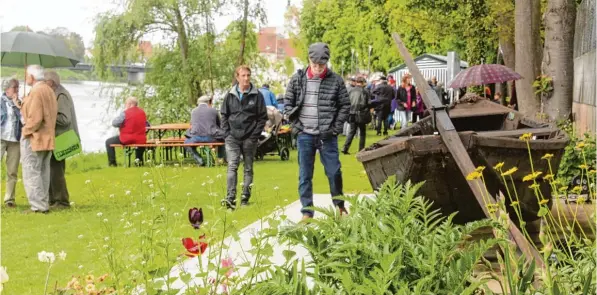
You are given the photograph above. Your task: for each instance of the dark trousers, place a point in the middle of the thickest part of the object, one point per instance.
(330, 158)
(362, 136)
(236, 148)
(112, 153)
(193, 150)
(417, 117)
(382, 117)
(58, 190)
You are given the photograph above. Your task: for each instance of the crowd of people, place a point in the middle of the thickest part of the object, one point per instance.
(29, 128)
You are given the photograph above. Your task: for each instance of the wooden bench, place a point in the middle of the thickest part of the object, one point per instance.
(168, 146)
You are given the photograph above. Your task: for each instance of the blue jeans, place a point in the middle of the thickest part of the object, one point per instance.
(330, 158)
(193, 150)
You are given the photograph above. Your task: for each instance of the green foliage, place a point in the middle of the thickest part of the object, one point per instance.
(65, 74)
(468, 27)
(391, 244)
(576, 154)
(543, 85)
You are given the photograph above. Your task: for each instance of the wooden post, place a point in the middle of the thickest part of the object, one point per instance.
(452, 141)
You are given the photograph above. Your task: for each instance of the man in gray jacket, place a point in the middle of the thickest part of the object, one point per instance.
(205, 127)
(317, 106)
(65, 121)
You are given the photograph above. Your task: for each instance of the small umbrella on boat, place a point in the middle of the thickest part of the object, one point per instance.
(484, 74)
(20, 49)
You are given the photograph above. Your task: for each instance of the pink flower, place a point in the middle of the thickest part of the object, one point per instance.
(229, 264)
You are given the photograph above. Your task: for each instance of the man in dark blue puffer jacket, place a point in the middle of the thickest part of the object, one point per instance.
(317, 106)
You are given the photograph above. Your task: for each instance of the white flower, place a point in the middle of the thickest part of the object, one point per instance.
(87, 181)
(80, 266)
(106, 246)
(188, 194)
(251, 185)
(106, 239)
(143, 262)
(276, 188)
(111, 196)
(219, 176)
(80, 236)
(99, 214)
(211, 181)
(62, 255)
(176, 214)
(127, 193)
(203, 184)
(121, 219)
(151, 185)
(105, 220)
(162, 209)
(3, 275)
(136, 213)
(145, 174)
(144, 181)
(48, 257)
(285, 200)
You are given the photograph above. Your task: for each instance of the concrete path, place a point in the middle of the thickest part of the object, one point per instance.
(237, 250)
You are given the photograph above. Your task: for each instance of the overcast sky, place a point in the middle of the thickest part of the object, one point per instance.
(78, 15)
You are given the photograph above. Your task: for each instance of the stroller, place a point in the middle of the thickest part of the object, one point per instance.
(273, 141)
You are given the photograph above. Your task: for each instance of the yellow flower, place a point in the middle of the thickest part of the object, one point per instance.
(548, 177)
(473, 175)
(89, 279)
(480, 168)
(547, 156)
(509, 172)
(583, 166)
(534, 186)
(514, 203)
(498, 166)
(592, 172)
(563, 189)
(90, 288)
(543, 201)
(526, 136)
(580, 145)
(531, 176)
(576, 190)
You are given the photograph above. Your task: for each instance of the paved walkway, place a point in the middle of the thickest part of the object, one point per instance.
(237, 250)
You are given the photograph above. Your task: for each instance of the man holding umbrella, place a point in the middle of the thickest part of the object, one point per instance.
(39, 113)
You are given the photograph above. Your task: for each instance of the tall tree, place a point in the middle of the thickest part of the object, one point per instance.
(178, 18)
(243, 32)
(558, 59)
(528, 53)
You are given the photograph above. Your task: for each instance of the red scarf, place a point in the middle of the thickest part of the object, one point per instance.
(310, 74)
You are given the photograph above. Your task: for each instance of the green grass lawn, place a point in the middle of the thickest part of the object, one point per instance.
(126, 217)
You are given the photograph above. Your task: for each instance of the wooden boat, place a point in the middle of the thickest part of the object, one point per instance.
(490, 133)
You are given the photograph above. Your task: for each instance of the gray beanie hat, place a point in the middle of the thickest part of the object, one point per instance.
(319, 53)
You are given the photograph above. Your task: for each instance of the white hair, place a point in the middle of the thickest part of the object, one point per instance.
(36, 71)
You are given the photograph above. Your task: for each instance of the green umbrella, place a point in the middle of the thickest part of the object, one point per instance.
(21, 49)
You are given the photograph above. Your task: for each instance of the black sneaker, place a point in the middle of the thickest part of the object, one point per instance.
(244, 201)
(346, 152)
(229, 204)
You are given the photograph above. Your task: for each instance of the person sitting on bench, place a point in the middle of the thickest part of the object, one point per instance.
(131, 123)
(205, 127)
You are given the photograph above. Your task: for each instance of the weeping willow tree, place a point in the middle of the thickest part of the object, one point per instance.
(194, 59)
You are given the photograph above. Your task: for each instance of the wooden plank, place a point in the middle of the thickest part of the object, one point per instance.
(457, 149)
(366, 156)
(519, 132)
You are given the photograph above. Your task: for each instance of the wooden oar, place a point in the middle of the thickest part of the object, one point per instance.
(452, 141)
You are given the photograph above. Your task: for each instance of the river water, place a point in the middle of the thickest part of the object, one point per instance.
(94, 114)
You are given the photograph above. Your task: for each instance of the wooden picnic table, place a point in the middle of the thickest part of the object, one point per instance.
(177, 128)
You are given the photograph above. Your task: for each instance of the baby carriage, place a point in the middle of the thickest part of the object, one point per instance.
(273, 140)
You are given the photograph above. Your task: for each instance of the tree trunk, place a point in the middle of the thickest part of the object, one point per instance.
(209, 45)
(183, 43)
(528, 61)
(243, 33)
(558, 59)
